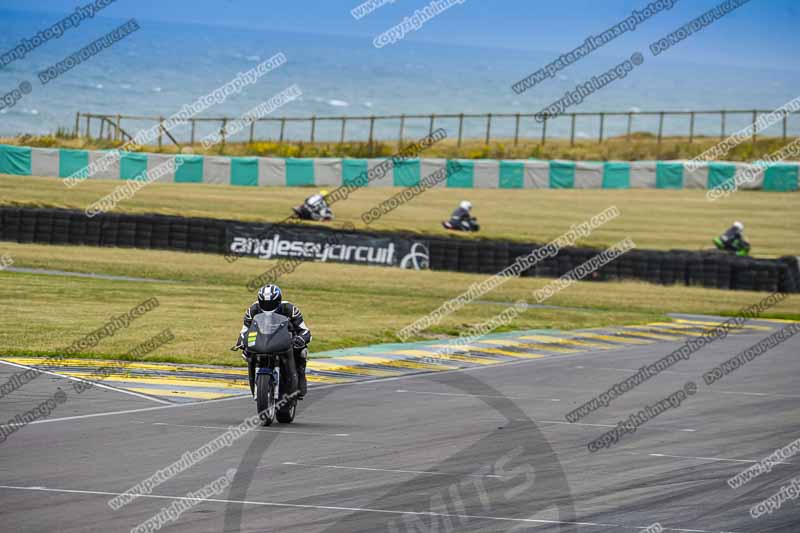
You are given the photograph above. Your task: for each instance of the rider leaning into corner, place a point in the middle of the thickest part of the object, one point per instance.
(270, 300)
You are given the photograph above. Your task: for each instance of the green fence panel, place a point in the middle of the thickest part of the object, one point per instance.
(719, 173)
(406, 173)
(15, 160)
(73, 163)
(190, 170)
(616, 175)
(780, 178)
(562, 174)
(463, 178)
(132, 166)
(669, 175)
(354, 172)
(244, 171)
(512, 175)
(299, 172)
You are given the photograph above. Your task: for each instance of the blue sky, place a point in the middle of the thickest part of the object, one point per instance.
(762, 33)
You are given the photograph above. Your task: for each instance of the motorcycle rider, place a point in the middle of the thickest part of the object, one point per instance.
(270, 300)
(733, 240)
(315, 208)
(462, 219)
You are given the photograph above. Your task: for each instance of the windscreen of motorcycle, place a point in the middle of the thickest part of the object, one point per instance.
(269, 333)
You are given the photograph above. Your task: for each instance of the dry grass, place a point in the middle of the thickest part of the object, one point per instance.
(654, 219)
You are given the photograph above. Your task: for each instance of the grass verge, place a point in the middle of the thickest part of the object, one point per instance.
(344, 305)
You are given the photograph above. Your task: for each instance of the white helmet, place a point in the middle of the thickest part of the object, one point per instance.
(738, 225)
(465, 204)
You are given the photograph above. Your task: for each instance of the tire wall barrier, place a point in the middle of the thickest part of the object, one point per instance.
(163, 232)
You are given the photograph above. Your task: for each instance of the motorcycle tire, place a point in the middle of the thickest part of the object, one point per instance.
(285, 414)
(265, 398)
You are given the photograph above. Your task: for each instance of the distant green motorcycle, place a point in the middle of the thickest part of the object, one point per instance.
(738, 246)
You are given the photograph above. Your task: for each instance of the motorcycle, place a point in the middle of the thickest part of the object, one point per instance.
(267, 345)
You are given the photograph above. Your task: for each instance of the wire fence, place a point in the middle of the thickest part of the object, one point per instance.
(487, 127)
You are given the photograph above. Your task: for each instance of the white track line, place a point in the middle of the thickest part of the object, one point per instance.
(345, 509)
(95, 383)
(257, 429)
(478, 395)
(702, 458)
(386, 470)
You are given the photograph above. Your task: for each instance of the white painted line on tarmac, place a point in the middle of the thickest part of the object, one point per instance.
(702, 458)
(348, 509)
(562, 422)
(387, 470)
(477, 395)
(94, 383)
(256, 429)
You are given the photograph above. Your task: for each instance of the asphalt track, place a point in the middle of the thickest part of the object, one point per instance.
(480, 449)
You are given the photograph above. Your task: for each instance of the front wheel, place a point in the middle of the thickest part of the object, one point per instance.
(265, 398)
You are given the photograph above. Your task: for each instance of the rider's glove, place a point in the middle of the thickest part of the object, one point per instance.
(298, 343)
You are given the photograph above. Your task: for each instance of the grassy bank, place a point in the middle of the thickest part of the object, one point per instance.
(641, 146)
(205, 297)
(655, 219)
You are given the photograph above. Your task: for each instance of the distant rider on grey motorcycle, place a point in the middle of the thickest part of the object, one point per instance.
(270, 301)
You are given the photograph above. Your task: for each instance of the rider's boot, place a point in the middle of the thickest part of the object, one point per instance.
(302, 384)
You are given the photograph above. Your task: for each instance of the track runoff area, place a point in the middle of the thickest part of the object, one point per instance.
(705, 446)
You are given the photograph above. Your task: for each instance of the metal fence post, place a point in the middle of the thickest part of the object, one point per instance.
(77, 124)
(371, 129)
(544, 129)
(102, 127)
(691, 127)
(460, 127)
(313, 127)
(252, 130)
(160, 131)
(88, 126)
(516, 130)
(400, 133)
(430, 126)
(222, 132)
(572, 130)
(722, 120)
(755, 118)
(193, 127)
(630, 124)
(488, 128)
(283, 126)
(341, 135)
(118, 133)
(660, 125)
(602, 124)
(785, 116)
